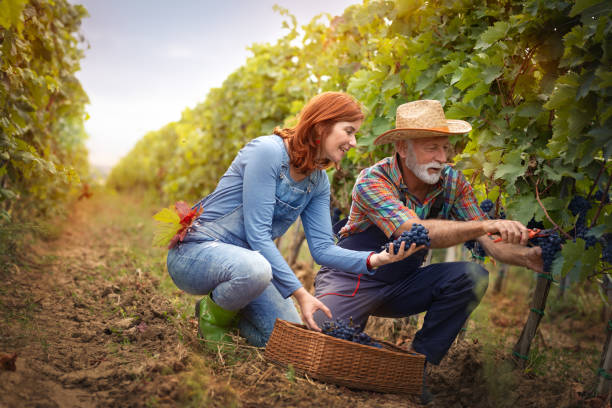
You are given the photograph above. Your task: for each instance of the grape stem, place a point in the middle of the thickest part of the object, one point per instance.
(546, 212)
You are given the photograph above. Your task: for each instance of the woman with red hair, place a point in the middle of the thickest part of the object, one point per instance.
(228, 254)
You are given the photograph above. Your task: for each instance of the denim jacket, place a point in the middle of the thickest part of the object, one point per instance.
(256, 201)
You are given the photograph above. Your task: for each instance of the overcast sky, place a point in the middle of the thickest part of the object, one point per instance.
(148, 60)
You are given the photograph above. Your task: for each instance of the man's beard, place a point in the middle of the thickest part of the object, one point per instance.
(420, 170)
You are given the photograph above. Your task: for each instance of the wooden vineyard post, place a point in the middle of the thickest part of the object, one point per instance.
(499, 280)
(604, 372)
(520, 352)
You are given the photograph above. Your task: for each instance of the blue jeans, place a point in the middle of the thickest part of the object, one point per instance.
(237, 278)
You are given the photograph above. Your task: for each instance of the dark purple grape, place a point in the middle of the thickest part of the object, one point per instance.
(487, 205)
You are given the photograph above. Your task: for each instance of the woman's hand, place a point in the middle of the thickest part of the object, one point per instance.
(308, 306)
(384, 257)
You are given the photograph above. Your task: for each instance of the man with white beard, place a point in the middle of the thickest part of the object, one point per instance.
(416, 185)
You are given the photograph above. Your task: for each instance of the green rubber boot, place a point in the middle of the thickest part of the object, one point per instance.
(213, 322)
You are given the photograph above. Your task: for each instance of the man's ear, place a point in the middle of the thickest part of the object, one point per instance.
(400, 147)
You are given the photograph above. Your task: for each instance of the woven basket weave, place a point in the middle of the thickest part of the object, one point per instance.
(326, 358)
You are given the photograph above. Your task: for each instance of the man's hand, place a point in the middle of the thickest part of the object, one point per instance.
(512, 232)
(384, 257)
(513, 254)
(308, 306)
(534, 259)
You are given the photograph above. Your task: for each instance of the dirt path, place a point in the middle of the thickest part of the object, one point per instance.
(95, 322)
(87, 322)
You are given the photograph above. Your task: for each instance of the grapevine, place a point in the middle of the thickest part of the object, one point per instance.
(540, 118)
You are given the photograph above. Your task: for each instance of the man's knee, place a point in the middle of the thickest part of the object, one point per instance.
(479, 277)
(467, 280)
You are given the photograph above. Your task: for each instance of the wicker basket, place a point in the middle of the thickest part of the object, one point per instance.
(326, 358)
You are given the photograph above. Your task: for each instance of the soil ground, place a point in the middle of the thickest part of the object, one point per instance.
(90, 318)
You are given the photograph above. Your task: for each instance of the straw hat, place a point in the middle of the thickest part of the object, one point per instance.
(424, 118)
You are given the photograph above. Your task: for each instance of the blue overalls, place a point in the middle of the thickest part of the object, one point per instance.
(229, 252)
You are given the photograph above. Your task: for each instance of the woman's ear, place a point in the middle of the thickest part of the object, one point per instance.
(319, 129)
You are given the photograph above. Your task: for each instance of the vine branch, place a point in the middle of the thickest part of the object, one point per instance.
(546, 212)
(521, 71)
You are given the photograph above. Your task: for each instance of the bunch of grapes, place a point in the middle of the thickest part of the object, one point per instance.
(533, 224)
(550, 242)
(345, 330)
(418, 235)
(476, 249)
(487, 205)
(590, 240)
(579, 205)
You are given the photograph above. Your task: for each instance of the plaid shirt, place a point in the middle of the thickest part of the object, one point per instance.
(377, 199)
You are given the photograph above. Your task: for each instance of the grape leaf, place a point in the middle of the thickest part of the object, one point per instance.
(494, 33)
(10, 13)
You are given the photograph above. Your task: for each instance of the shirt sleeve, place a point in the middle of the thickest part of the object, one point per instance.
(259, 198)
(318, 230)
(465, 207)
(374, 196)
